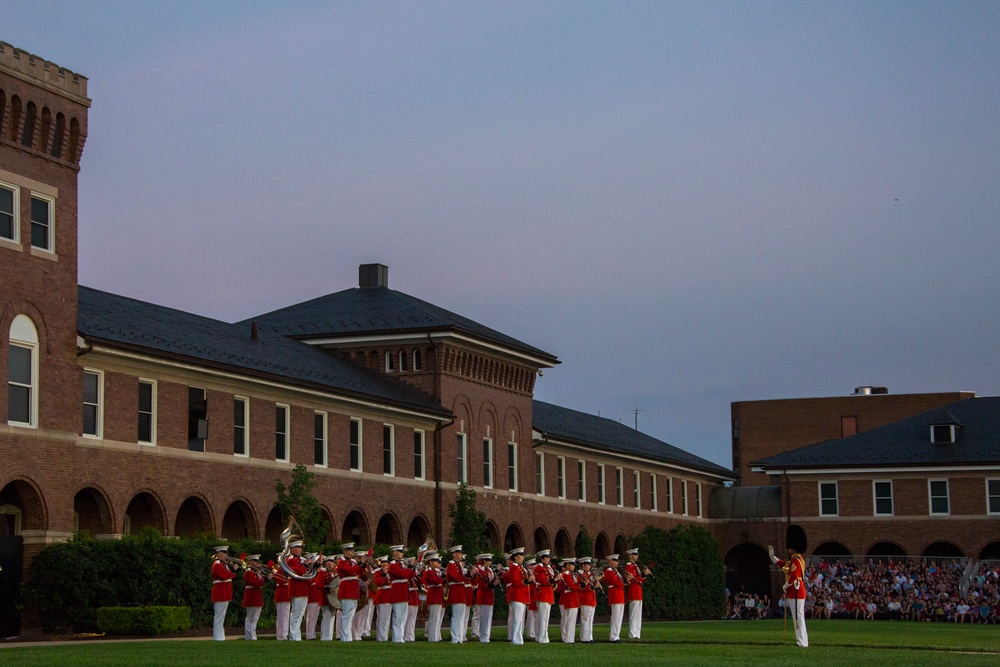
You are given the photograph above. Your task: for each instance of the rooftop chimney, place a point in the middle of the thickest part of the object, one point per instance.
(373, 275)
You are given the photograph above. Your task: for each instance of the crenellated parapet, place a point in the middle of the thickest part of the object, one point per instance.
(38, 71)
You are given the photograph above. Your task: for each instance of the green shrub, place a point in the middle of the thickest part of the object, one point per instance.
(143, 620)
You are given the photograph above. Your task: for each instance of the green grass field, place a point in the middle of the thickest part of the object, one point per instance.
(852, 643)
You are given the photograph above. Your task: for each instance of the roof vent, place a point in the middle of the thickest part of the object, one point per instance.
(373, 275)
(862, 391)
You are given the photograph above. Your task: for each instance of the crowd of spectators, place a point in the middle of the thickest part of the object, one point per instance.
(889, 589)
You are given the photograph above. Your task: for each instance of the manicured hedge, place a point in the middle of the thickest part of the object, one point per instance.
(143, 620)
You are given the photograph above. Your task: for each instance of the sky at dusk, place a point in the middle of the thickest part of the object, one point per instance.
(689, 203)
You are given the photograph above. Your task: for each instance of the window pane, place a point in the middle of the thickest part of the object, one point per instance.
(355, 444)
(90, 419)
(40, 223)
(387, 450)
(145, 412)
(939, 488)
(6, 213)
(20, 365)
(19, 404)
(145, 397)
(90, 382)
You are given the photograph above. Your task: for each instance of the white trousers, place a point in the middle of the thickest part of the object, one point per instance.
(250, 625)
(399, 620)
(542, 622)
(312, 615)
(635, 619)
(326, 625)
(295, 618)
(282, 611)
(465, 620)
(362, 625)
(435, 615)
(485, 622)
(569, 625)
(617, 614)
(530, 622)
(458, 612)
(587, 623)
(517, 622)
(383, 622)
(346, 629)
(798, 608)
(410, 628)
(219, 621)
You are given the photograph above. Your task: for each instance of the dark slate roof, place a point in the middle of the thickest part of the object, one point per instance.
(608, 435)
(908, 442)
(162, 331)
(379, 310)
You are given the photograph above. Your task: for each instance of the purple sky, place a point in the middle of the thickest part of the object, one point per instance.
(689, 203)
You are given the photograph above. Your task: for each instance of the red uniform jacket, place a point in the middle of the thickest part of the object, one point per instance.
(614, 585)
(518, 585)
(222, 582)
(253, 591)
(508, 592)
(795, 582)
(298, 588)
(570, 598)
(483, 577)
(350, 574)
(455, 574)
(317, 587)
(282, 591)
(588, 589)
(433, 581)
(544, 581)
(380, 595)
(635, 582)
(399, 580)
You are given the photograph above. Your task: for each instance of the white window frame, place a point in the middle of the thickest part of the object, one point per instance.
(561, 477)
(488, 463)
(324, 438)
(636, 489)
(699, 506)
(351, 445)
(512, 467)
(581, 483)
(996, 480)
(14, 511)
(602, 488)
(653, 501)
(391, 430)
(419, 472)
(51, 230)
(15, 237)
(24, 335)
(951, 434)
(539, 474)
(245, 425)
(684, 497)
(286, 434)
(619, 487)
(836, 497)
(389, 362)
(99, 411)
(931, 496)
(152, 413)
(462, 454)
(416, 360)
(670, 495)
(875, 498)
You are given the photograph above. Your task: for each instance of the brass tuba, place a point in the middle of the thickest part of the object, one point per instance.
(287, 537)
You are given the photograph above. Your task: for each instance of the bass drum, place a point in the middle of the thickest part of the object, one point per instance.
(332, 592)
(362, 594)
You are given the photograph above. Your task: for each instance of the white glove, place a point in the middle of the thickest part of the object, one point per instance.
(770, 553)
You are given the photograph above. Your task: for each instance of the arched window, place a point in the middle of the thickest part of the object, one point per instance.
(390, 362)
(402, 361)
(57, 137)
(46, 129)
(73, 151)
(3, 108)
(29, 125)
(418, 364)
(15, 116)
(22, 373)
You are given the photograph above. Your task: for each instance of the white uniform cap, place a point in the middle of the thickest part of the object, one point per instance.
(349, 545)
(397, 547)
(613, 557)
(221, 548)
(633, 551)
(456, 548)
(543, 553)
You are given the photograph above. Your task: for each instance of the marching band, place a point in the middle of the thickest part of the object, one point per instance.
(353, 592)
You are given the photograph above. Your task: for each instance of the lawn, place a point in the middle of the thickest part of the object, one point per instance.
(854, 643)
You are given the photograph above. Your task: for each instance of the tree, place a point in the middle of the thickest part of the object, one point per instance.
(298, 500)
(468, 526)
(584, 545)
(689, 580)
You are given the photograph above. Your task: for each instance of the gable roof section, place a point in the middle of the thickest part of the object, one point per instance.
(907, 443)
(160, 331)
(600, 433)
(380, 311)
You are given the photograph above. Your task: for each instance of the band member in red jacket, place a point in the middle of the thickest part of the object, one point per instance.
(382, 599)
(615, 586)
(282, 604)
(545, 581)
(795, 581)
(484, 579)
(399, 593)
(569, 600)
(588, 599)
(635, 577)
(222, 591)
(531, 610)
(520, 580)
(350, 573)
(455, 574)
(413, 604)
(317, 598)
(433, 580)
(253, 596)
(298, 590)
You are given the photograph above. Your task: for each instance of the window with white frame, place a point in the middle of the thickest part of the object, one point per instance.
(10, 209)
(354, 446)
(488, 463)
(281, 432)
(418, 454)
(388, 449)
(600, 483)
(93, 394)
(937, 490)
(43, 223)
(146, 416)
(581, 483)
(319, 439)
(670, 495)
(390, 362)
(993, 496)
(241, 421)
(512, 466)
(10, 520)
(619, 487)
(462, 451)
(636, 502)
(418, 362)
(540, 473)
(652, 493)
(561, 476)
(828, 502)
(403, 361)
(22, 373)
(197, 419)
(882, 497)
(684, 497)
(697, 499)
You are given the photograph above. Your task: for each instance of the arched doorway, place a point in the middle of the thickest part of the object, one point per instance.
(193, 518)
(22, 496)
(238, 522)
(492, 536)
(387, 531)
(748, 569)
(513, 538)
(564, 548)
(541, 539)
(418, 533)
(828, 550)
(943, 550)
(143, 510)
(621, 546)
(91, 513)
(274, 526)
(355, 529)
(601, 546)
(886, 549)
(990, 552)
